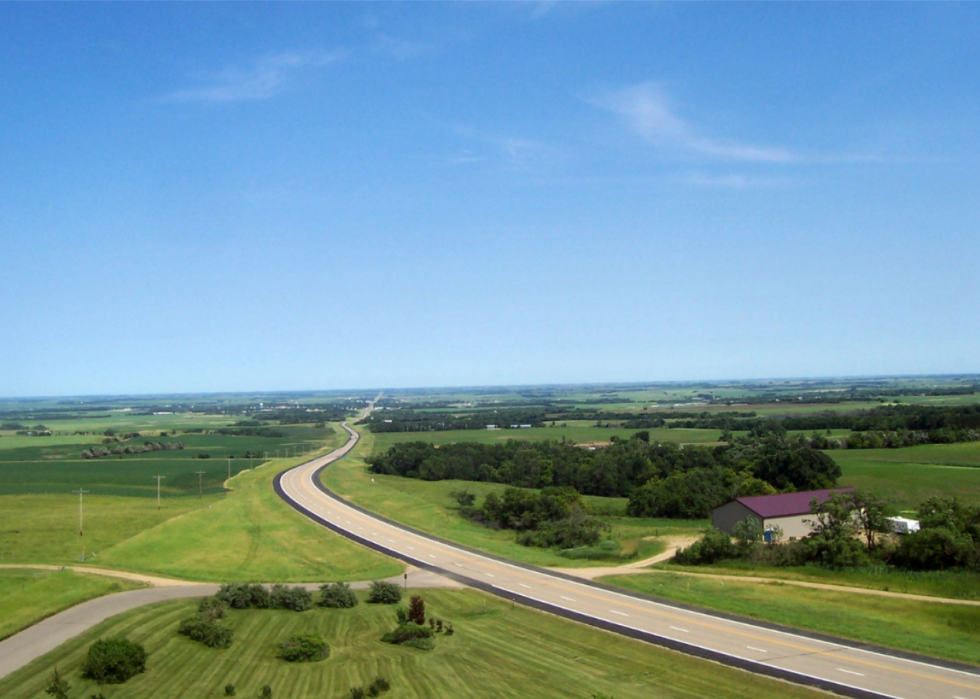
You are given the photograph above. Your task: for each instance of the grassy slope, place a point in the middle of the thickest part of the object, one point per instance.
(426, 505)
(28, 596)
(906, 477)
(497, 651)
(939, 630)
(250, 535)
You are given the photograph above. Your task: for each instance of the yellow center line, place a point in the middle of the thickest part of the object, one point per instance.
(584, 591)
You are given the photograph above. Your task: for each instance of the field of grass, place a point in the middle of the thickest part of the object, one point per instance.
(497, 651)
(906, 477)
(577, 435)
(33, 465)
(28, 596)
(249, 535)
(954, 584)
(939, 630)
(427, 505)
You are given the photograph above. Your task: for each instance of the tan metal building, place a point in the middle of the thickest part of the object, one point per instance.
(788, 511)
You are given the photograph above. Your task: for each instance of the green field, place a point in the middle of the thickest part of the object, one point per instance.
(905, 477)
(498, 650)
(576, 435)
(427, 505)
(939, 630)
(28, 595)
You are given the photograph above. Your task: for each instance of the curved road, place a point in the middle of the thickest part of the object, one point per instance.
(847, 668)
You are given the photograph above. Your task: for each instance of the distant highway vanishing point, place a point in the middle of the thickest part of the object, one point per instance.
(844, 667)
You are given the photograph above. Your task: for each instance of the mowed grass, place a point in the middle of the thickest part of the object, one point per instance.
(249, 535)
(29, 595)
(906, 477)
(939, 630)
(428, 506)
(497, 651)
(576, 435)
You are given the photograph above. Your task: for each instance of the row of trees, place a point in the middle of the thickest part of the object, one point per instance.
(97, 452)
(661, 480)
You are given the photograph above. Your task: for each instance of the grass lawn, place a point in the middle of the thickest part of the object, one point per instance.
(939, 630)
(955, 584)
(497, 651)
(28, 596)
(426, 505)
(249, 535)
(906, 477)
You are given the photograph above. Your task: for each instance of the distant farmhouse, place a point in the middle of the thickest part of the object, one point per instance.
(788, 511)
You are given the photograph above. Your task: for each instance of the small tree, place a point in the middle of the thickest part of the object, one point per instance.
(383, 592)
(58, 686)
(869, 514)
(337, 596)
(416, 610)
(113, 661)
(748, 533)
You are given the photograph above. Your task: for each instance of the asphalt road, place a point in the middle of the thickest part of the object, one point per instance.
(839, 666)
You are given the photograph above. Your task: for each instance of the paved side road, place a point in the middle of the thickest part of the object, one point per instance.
(45, 636)
(856, 670)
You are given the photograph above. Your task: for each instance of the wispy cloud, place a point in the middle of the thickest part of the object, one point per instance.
(648, 112)
(400, 49)
(263, 79)
(514, 152)
(733, 181)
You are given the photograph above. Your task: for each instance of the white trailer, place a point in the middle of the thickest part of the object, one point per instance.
(902, 525)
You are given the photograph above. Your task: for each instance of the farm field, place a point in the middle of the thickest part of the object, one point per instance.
(498, 650)
(427, 506)
(905, 477)
(27, 596)
(250, 535)
(934, 629)
(577, 435)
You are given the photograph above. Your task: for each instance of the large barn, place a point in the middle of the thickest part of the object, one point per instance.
(788, 511)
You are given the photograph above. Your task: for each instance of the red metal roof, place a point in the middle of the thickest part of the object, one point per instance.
(787, 504)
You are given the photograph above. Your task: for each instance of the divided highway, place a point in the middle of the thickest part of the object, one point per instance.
(842, 667)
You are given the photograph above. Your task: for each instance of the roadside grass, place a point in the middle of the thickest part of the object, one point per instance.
(930, 628)
(498, 650)
(427, 506)
(28, 596)
(953, 584)
(905, 477)
(250, 535)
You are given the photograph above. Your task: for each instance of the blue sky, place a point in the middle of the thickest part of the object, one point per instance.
(211, 197)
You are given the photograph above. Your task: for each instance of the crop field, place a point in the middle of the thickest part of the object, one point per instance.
(576, 435)
(498, 650)
(905, 477)
(36, 465)
(427, 505)
(939, 630)
(28, 595)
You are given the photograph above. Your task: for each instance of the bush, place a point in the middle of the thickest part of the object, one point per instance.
(411, 635)
(379, 686)
(306, 648)
(114, 660)
(229, 690)
(206, 630)
(58, 686)
(715, 545)
(266, 692)
(245, 596)
(212, 608)
(296, 599)
(357, 693)
(337, 596)
(383, 592)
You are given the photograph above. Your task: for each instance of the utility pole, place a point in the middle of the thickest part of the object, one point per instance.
(250, 461)
(159, 478)
(200, 488)
(80, 493)
(229, 467)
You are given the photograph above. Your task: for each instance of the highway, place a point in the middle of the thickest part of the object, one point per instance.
(846, 668)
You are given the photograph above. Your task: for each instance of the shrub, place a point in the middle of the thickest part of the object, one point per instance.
(245, 596)
(337, 596)
(383, 592)
(229, 690)
(416, 610)
(402, 615)
(206, 630)
(305, 648)
(356, 693)
(212, 608)
(114, 660)
(58, 686)
(379, 685)
(266, 692)
(411, 635)
(715, 545)
(296, 599)
(449, 630)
